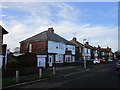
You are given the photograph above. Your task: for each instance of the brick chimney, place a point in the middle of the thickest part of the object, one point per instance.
(74, 38)
(51, 30)
(99, 46)
(87, 43)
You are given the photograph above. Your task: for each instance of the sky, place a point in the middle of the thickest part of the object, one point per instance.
(97, 22)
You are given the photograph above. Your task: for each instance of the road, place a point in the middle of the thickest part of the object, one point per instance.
(102, 76)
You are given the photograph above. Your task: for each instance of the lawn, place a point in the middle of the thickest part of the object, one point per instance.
(9, 82)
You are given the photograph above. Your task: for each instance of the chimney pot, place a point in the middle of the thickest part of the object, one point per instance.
(87, 43)
(74, 38)
(51, 30)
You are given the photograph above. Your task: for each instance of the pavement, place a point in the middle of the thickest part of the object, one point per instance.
(65, 71)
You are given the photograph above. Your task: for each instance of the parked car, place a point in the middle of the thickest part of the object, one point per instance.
(102, 60)
(109, 60)
(118, 65)
(96, 61)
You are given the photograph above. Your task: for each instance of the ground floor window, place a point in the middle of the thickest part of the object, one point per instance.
(73, 58)
(67, 58)
(59, 58)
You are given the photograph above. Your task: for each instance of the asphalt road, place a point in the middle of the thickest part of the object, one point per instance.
(102, 76)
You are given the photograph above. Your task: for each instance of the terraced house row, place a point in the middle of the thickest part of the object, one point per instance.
(50, 49)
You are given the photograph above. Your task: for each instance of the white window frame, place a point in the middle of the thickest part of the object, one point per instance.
(68, 58)
(59, 58)
(30, 47)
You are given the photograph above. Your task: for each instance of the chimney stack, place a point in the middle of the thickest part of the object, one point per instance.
(99, 46)
(51, 30)
(74, 38)
(87, 43)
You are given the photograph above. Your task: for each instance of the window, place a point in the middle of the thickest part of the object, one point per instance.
(59, 58)
(68, 58)
(30, 47)
(50, 60)
(80, 50)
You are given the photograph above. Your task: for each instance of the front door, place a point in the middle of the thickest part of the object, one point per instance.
(41, 62)
(50, 60)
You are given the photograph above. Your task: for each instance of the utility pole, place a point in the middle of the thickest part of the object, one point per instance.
(84, 54)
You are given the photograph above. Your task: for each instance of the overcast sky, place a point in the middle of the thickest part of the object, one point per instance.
(97, 22)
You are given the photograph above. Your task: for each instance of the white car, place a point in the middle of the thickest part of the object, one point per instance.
(96, 61)
(110, 60)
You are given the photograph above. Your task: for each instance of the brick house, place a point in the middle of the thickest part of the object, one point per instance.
(78, 49)
(88, 51)
(50, 48)
(103, 53)
(106, 53)
(96, 52)
(2, 46)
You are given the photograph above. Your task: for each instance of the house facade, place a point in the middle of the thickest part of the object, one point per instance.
(78, 49)
(50, 48)
(2, 46)
(96, 52)
(88, 51)
(106, 53)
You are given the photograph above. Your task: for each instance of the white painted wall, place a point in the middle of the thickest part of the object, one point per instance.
(59, 47)
(96, 53)
(1, 60)
(56, 47)
(71, 47)
(87, 52)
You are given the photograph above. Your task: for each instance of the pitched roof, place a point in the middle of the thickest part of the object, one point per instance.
(106, 49)
(45, 36)
(3, 30)
(76, 43)
(88, 46)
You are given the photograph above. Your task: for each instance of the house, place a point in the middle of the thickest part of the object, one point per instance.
(106, 53)
(96, 52)
(88, 51)
(50, 48)
(78, 49)
(2, 46)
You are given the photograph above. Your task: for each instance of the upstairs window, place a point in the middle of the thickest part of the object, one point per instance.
(30, 47)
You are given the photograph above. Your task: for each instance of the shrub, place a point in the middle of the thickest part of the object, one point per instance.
(13, 63)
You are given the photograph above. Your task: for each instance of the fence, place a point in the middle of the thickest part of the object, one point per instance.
(26, 74)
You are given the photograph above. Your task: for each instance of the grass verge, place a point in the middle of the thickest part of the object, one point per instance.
(9, 82)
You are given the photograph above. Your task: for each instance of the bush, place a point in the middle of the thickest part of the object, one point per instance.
(13, 63)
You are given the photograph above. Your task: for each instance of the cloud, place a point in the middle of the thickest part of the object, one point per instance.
(2, 23)
(2, 6)
(2, 15)
(86, 25)
(40, 18)
(65, 11)
(107, 43)
(96, 35)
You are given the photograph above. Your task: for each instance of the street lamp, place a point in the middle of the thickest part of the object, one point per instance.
(84, 54)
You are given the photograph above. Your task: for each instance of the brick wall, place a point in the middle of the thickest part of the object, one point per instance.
(39, 46)
(77, 53)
